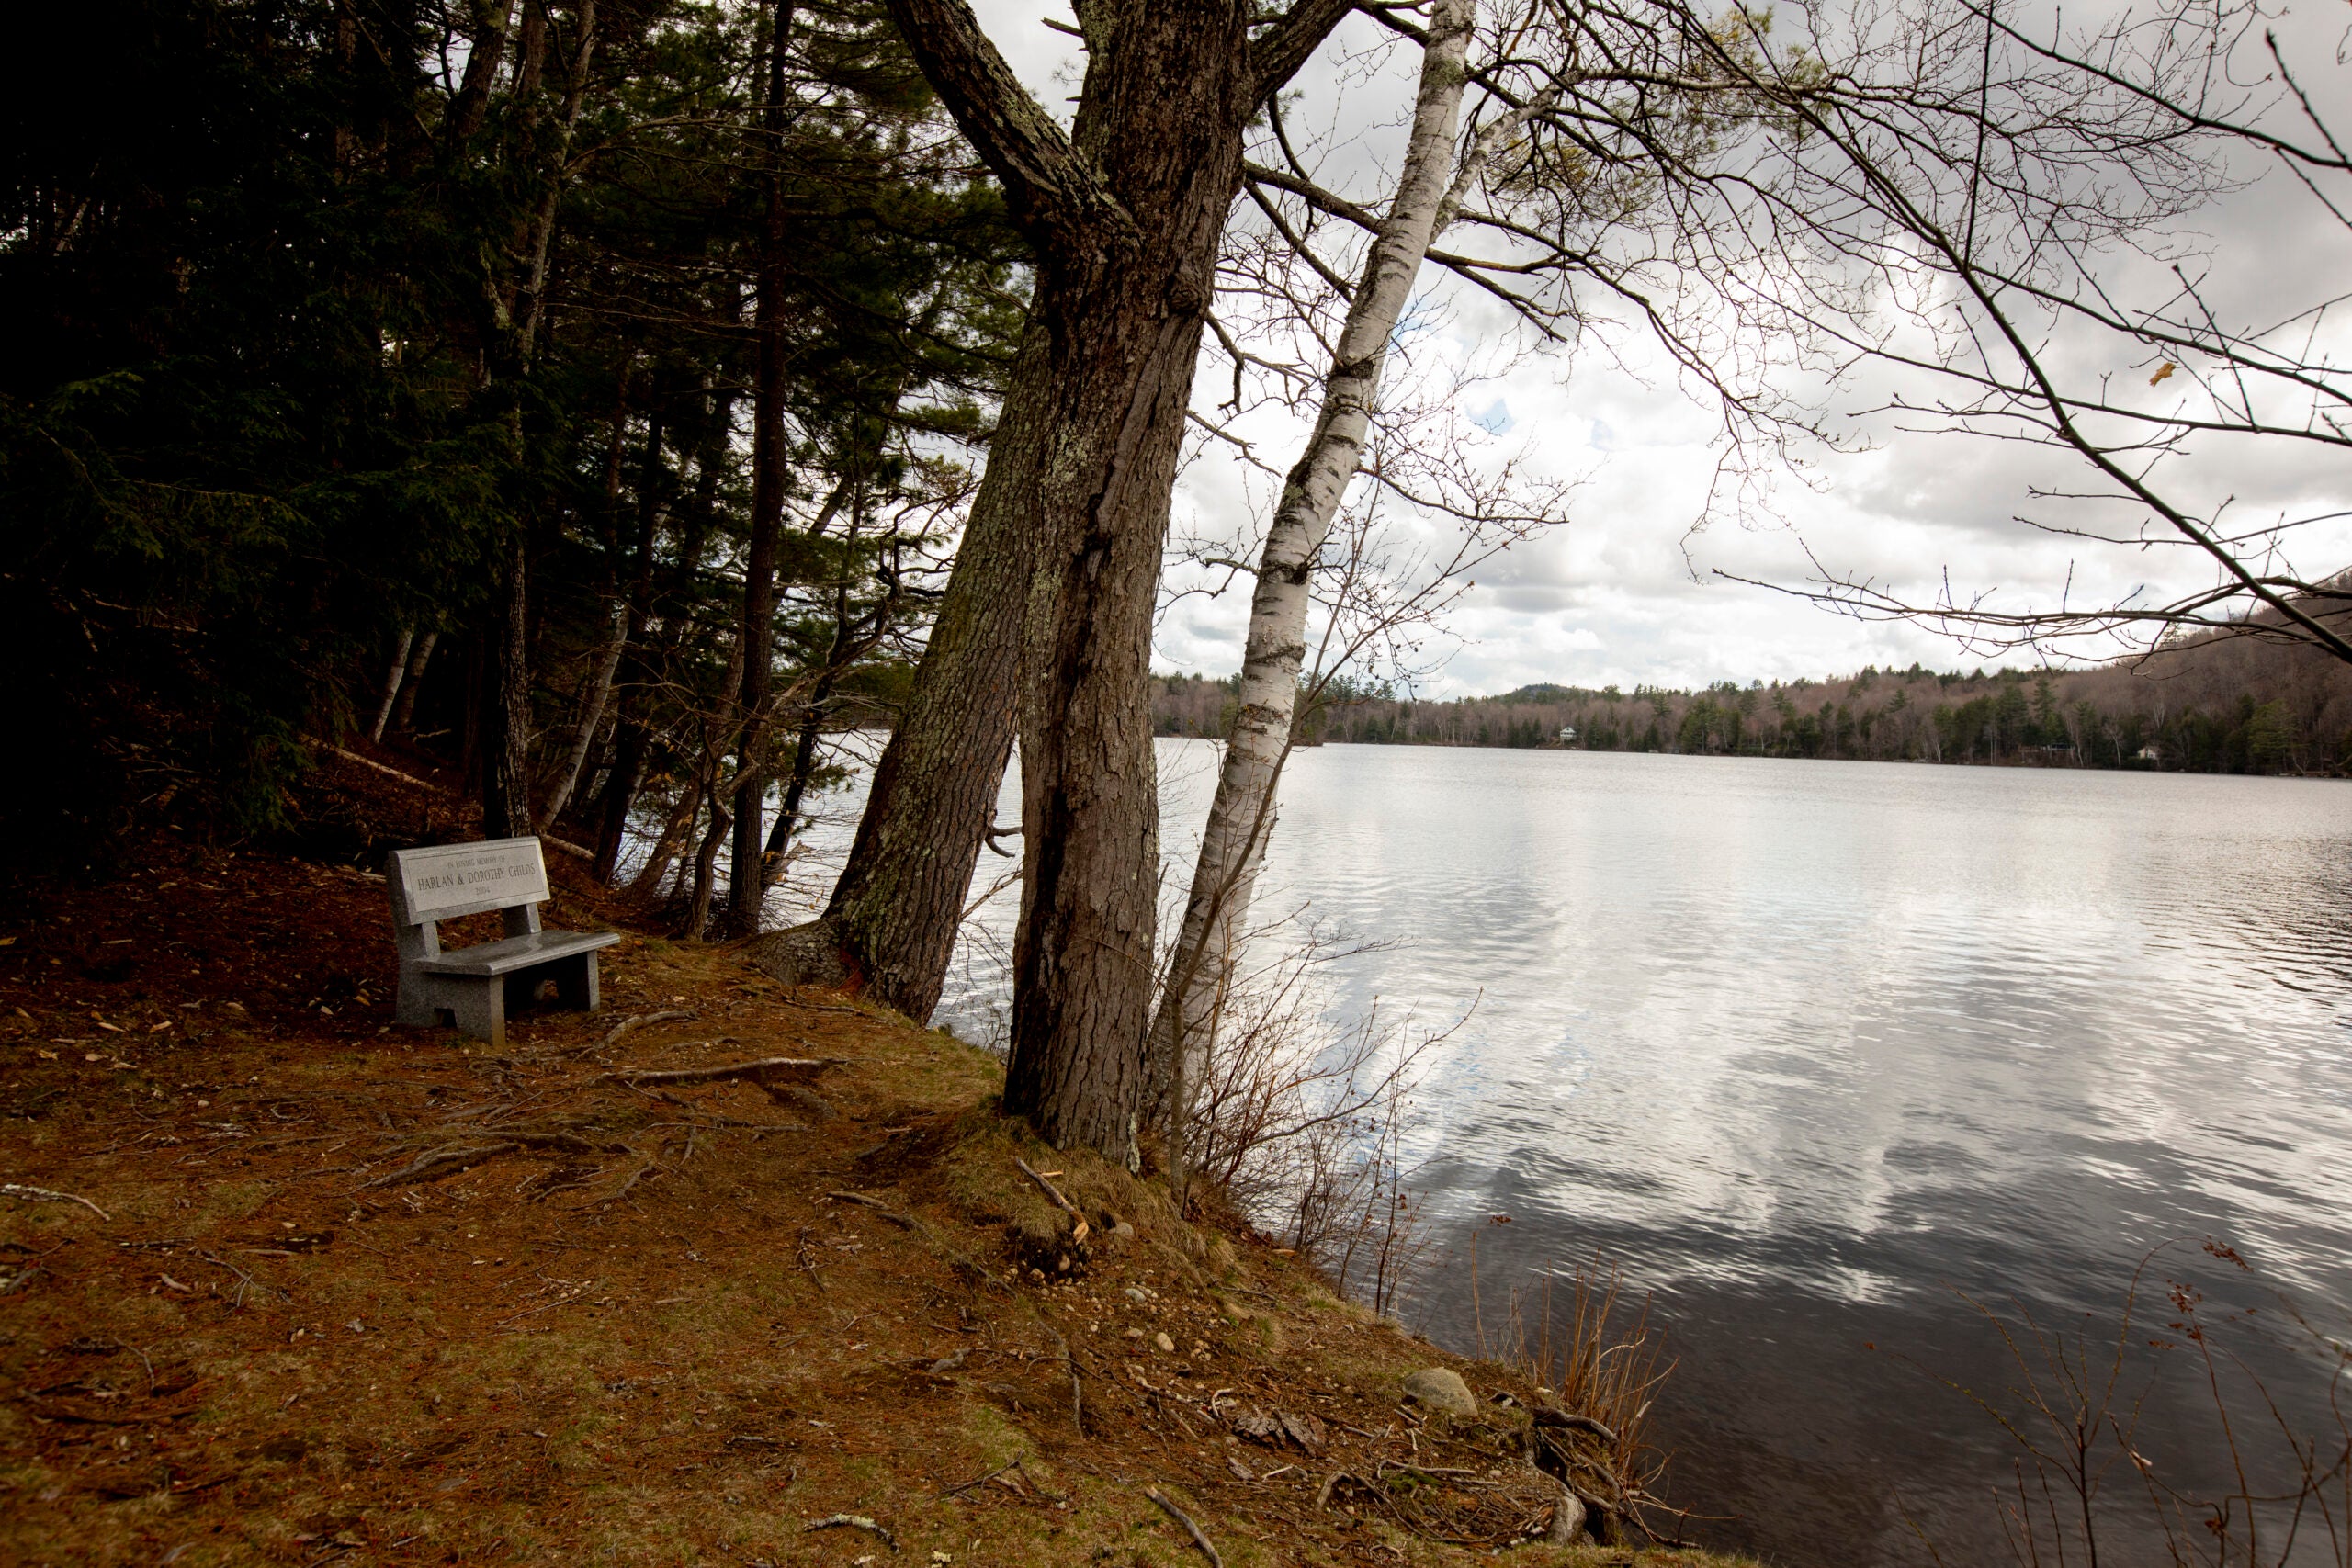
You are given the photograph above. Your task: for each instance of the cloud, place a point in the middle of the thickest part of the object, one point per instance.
(1634, 587)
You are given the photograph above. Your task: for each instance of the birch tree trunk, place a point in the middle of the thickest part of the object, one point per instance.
(393, 683)
(1241, 817)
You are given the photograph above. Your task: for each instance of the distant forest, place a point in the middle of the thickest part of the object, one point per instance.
(2220, 705)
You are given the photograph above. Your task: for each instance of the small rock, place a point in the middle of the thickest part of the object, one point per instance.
(1165, 1344)
(1134, 1294)
(1568, 1519)
(1441, 1388)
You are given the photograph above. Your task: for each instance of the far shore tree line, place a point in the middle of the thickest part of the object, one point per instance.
(2226, 708)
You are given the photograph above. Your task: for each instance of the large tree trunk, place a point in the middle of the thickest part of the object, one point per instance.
(1241, 817)
(768, 478)
(1168, 93)
(889, 927)
(486, 49)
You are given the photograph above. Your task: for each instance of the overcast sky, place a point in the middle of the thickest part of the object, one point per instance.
(1625, 591)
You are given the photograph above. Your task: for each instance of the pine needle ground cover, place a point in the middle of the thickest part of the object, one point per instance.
(335, 1290)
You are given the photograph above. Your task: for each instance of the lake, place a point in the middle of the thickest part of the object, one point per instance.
(1809, 1050)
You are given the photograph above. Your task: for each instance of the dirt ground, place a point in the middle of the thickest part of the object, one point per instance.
(336, 1291)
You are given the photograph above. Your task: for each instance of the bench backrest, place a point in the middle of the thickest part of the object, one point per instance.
(450, 880)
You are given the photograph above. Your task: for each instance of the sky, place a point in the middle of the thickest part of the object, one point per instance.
(1632, 585)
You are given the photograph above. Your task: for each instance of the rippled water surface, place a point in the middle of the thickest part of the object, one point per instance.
(1810, 1047)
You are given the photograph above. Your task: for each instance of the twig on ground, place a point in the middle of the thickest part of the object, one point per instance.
(244, 1281)
(857, 1521)
(1199, 1537)
(956, 1260)
(1077, 1221)
(978, 1480)
(43, 1195)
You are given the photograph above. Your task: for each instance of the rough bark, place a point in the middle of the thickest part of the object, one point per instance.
(768, 480)
(486, 50)
(1241, 817)
(1126, 214)
(889, 927)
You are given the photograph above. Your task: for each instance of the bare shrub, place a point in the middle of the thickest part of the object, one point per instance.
(1306, 1129)
(2085, 1475)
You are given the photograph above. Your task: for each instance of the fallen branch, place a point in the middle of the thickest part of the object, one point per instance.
(43, 1195)
(640, 1021)
(1077, 1221)
(1199, 1537)
(857, 1521)
(1077, 1392)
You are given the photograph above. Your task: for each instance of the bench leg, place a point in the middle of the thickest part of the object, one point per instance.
(575, 983)
(479, 1007)
(412, 1004)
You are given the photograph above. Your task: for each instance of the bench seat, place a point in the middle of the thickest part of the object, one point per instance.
(516, 952)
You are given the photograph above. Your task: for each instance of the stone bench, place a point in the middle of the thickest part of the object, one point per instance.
(473, 988)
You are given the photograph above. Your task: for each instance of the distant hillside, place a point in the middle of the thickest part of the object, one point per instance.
(2214, 705)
